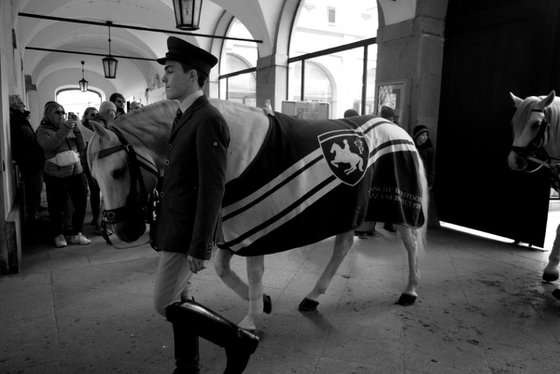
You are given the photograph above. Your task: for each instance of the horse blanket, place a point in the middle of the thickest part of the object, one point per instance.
(312, 179)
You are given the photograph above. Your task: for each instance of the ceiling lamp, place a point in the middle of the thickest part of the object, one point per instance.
(187, 14)
(82, 82)
(109, 62)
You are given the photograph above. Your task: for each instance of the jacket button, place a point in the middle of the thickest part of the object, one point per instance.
(170, 146)
(166, 162)
(162, 194)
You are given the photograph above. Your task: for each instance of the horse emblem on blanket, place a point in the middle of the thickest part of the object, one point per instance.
(346, 153)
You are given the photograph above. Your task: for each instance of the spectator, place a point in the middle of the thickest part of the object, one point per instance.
(28, 155)
(421, 137)
(135, 105)
(94, 193)
(117, 99)
(107, 112)
(62, 143)
(350, 113)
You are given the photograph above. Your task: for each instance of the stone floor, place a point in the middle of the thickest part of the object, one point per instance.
(482, 309)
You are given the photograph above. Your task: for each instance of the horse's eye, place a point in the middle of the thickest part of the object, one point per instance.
(119, 173)
(536, 125)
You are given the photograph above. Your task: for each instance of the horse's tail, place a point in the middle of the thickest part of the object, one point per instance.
(421, 231)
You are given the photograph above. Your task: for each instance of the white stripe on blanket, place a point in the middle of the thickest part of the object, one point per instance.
(265, 210)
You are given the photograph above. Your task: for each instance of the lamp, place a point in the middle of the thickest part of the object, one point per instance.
(109, 62)
(82, 82)
(187, 14)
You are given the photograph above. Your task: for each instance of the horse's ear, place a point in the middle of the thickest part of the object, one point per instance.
(100, 130)
(516, 100)
(546, 101)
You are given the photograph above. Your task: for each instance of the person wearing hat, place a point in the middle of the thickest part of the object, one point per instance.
(421, 137)
(189, 213)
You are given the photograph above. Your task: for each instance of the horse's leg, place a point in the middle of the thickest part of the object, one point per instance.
(408, 237)
(255, 271)
(229, 277)
(342, 243)
(550, 273)
(232, 280)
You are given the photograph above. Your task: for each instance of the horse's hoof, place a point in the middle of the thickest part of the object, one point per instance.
(556, 293)
(267, 304)
(407, 299)
(550, 277)
(308, 305)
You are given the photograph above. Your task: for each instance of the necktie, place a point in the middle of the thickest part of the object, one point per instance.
(177, 117)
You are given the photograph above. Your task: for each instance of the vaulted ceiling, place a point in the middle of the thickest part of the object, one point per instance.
(58, 70)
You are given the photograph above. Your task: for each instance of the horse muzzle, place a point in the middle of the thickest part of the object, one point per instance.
(517, 162)
(127, 223)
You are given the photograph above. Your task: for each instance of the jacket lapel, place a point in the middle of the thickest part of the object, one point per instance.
(198, 103)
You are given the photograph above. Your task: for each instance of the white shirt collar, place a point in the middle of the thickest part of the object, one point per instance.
(189, 100)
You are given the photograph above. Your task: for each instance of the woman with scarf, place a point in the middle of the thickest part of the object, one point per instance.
(62, 143)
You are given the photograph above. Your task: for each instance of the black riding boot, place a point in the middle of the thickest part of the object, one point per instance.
(238, 343)
(186, 349)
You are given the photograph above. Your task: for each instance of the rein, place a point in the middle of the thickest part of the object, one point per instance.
(135, 162)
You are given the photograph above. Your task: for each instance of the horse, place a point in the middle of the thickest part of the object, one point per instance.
(271, 201)
(536, 141)
(344, 155)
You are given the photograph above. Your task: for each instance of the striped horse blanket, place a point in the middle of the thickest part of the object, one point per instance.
(313, 179)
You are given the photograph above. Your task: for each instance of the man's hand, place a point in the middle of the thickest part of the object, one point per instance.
(196, 264)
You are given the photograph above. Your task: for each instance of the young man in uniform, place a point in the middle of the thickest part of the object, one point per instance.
(189, 213)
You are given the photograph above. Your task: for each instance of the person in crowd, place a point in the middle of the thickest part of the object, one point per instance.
(351, 113)
(107, 112)
(135, 105)
(90, 114)
(62, 143)
(421, 137)
(119, 101)
(189, 213)
(28, 155)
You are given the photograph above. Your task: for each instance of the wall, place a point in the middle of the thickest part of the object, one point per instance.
(11, 78)
(412, 51)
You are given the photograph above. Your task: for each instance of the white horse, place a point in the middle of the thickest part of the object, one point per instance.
(125, 158)
(345, 156)
(536, 138)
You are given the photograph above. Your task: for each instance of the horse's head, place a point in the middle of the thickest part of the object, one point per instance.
(531, 127)
(116, 167)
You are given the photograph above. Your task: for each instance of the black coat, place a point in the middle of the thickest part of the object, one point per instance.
(194, 182)
(428, 156)
(26, 152)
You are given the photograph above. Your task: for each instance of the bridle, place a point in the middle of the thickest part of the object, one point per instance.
(135, 162)
(535, 152)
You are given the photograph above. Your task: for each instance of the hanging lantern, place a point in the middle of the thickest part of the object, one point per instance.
(187, 14)
(82, 82)
(109, 62)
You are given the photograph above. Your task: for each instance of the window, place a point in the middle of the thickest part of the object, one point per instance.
(239, 56)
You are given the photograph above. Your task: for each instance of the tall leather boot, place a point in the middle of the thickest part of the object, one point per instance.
(186, 349)
(238, 343)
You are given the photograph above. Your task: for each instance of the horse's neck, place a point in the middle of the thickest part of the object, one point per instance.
(248, 127)
(148, 141)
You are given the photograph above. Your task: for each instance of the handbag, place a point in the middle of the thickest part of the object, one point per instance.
(65, 158)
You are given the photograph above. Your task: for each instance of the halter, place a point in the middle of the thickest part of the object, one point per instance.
(535, 152)
(116, 215)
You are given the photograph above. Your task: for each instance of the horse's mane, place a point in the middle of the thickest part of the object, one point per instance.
(153, 120)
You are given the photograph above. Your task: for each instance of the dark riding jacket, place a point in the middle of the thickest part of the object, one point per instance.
(194, 182)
